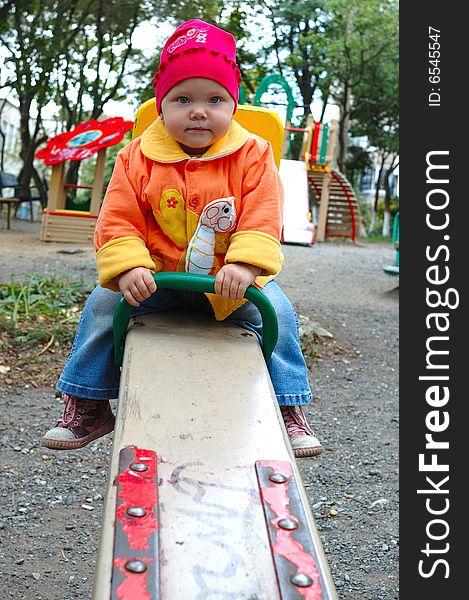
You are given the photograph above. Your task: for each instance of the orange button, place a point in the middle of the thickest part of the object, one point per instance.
(191, 166)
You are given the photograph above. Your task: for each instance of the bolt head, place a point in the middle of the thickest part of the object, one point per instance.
(138, 466)
(135, 566)
(288, 524)
(301, 580)
(136, 511)
(278, 478)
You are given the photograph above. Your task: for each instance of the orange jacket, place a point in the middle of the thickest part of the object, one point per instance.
(156, 214)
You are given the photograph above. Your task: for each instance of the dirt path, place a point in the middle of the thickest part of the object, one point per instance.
(52, 503)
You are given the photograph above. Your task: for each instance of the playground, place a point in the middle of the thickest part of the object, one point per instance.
(52, 503)
(321, 220)
(256, 152)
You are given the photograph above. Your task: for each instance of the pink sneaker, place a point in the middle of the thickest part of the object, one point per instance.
(82, 422)
(302, 438)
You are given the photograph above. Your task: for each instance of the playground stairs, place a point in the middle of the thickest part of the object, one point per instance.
(343, 214)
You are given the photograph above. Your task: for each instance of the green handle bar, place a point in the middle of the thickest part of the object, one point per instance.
(197, 283)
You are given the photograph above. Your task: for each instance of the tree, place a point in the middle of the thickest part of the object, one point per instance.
(178, 11)
(230, 15)
(5, 7)
(37, 32)
(376, 116)
(93, 69)
(299, 33)
(74, 53)
(361, 35)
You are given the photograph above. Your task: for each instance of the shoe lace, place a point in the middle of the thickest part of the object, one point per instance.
(295, 421)
(70, 409)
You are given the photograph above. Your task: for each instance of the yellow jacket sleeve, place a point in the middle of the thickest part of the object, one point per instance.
(121, 230)
(256, 240)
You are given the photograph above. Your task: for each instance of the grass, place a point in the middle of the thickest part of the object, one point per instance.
(375, 238)
(38, 320)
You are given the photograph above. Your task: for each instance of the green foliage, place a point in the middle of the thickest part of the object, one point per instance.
(357, 161)
(96, 66)
(299, 36)
(375, 110)
(231, 15)
(178, 11)
(365, 213)
(360, 34)
(56, 301)
(38, 321)
(111, 158)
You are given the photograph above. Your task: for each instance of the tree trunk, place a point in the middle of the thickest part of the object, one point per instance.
(3, 139)
(374, 210)
(27, 149)
(39, 183)
(29, 142)
(344, 124)
(386, 231)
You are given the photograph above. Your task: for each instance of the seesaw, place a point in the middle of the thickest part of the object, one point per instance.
(204, 498)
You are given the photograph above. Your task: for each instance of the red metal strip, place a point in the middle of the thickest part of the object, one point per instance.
(293, 548)
(135, 570)
(133, 586)
(314, 145)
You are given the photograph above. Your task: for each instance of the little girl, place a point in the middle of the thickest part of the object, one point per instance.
(194, 168)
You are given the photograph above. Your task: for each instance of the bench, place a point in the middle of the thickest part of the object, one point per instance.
(21, 194)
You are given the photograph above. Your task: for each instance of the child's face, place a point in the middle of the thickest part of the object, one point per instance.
(197, 112)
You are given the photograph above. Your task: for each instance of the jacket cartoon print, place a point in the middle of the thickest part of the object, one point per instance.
(167, 211)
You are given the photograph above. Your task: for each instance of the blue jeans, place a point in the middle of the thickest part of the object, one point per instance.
(90, 371)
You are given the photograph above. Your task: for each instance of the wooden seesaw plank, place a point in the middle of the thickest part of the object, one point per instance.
(198, 394)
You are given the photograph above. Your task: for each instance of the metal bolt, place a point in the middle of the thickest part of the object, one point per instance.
(278, 478)
(138, 466)
(136, 511)
(135, 566)
(288, 524)
(301, 580)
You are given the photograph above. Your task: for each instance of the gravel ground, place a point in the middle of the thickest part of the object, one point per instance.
(51, 502)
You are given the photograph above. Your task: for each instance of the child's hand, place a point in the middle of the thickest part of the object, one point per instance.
(233, 279)
(137, 285)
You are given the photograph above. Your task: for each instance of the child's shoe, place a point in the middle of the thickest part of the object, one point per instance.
(302, 438)
(82, 422)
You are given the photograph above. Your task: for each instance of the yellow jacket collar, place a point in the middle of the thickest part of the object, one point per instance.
(156, 143)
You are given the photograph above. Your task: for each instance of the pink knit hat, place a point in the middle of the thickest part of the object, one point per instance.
(198, 49)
